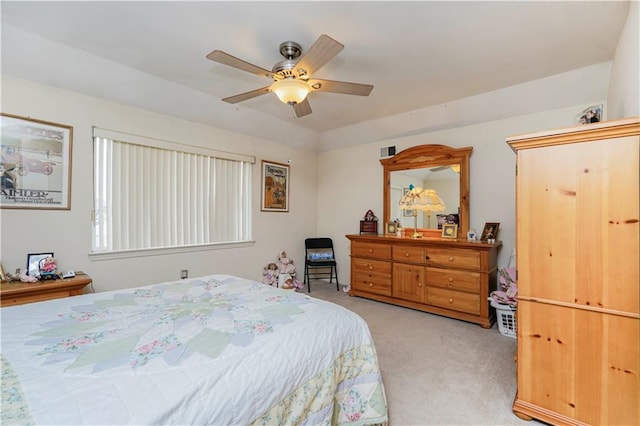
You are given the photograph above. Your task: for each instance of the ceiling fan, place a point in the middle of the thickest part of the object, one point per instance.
(292, 77)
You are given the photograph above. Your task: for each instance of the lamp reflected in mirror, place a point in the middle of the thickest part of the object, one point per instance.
(426, 200)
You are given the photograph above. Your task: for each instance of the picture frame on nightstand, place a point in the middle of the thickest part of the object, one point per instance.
(33, 262)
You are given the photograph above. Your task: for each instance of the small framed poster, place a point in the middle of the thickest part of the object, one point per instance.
(275, 187)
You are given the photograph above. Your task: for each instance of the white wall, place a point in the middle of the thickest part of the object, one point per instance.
(67, 233)
(624, 87)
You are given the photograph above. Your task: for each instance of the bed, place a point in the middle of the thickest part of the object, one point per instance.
(211, 350)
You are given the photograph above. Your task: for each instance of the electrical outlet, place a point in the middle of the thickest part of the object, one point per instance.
(184, 274)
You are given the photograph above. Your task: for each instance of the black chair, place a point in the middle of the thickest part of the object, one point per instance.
(318, 254)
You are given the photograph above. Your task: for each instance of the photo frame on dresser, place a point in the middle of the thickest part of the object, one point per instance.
(449, 230)
(490, 231)
(391, 228)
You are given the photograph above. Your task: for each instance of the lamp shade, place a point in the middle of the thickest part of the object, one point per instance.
(428, 200)
(290, 90)
(422, 199)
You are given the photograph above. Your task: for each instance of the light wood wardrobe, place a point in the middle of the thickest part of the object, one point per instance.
(577, 240)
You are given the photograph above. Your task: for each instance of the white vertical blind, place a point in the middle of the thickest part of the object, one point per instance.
(148, 197)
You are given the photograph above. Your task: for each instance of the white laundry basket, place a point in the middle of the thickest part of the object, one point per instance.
(506, 318)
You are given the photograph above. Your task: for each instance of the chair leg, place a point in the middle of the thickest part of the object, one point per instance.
(306, 278)
(337, 283)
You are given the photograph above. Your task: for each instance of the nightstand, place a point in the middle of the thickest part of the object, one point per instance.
(19, 293)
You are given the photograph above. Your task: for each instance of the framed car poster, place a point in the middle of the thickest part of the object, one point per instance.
(35, 163)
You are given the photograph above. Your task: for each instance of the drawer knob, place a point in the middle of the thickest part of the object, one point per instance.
(450, 258)
(407, 254)
(419, 284)
(370, 284)
(450, 300)
(370, 250)
(370, 267)
(450, 279)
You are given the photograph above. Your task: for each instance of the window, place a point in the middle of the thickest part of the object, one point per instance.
(152, 194)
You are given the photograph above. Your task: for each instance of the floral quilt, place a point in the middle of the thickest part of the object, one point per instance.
(211, 350)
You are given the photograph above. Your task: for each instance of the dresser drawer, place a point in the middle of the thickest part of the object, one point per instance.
(372, 283)
(455, 300)
(409, 254)
(450, 258)
(377, 251)
(371, 266)
(453, 279)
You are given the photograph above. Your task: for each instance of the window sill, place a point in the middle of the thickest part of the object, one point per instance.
(123, 254)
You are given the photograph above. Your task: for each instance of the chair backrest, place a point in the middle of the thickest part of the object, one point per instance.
(318, 245)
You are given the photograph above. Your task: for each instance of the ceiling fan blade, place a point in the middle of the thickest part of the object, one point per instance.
(247, 95)
(303, 108)
(341, 87)
(437, 169)
(231, 61)
(322, 51)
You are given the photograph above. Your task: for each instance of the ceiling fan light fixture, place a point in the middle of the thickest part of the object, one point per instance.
(290, 91)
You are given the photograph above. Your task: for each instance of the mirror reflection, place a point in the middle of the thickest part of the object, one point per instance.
(436, 167)
(445, 180)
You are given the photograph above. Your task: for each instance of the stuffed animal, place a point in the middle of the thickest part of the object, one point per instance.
(270, 274)
(27, 278)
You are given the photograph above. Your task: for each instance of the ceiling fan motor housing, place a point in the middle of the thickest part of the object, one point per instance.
(291, 51)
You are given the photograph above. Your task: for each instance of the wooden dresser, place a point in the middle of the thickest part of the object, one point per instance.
(577, 195)
(19, 293)
(445, 277)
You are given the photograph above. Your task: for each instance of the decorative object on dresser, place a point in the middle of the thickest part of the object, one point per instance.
(369, 223)
(578, 241)
(490, 231)
(422, 161)
(449, 231)
(426, 200)
(391, 228)
(19, 293)
(446, 277)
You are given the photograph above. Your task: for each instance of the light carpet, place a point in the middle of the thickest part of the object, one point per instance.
(436, 370)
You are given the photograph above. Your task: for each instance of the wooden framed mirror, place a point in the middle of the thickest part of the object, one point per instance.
(438, 167)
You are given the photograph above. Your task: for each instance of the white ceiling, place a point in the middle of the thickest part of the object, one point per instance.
(416, 54)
